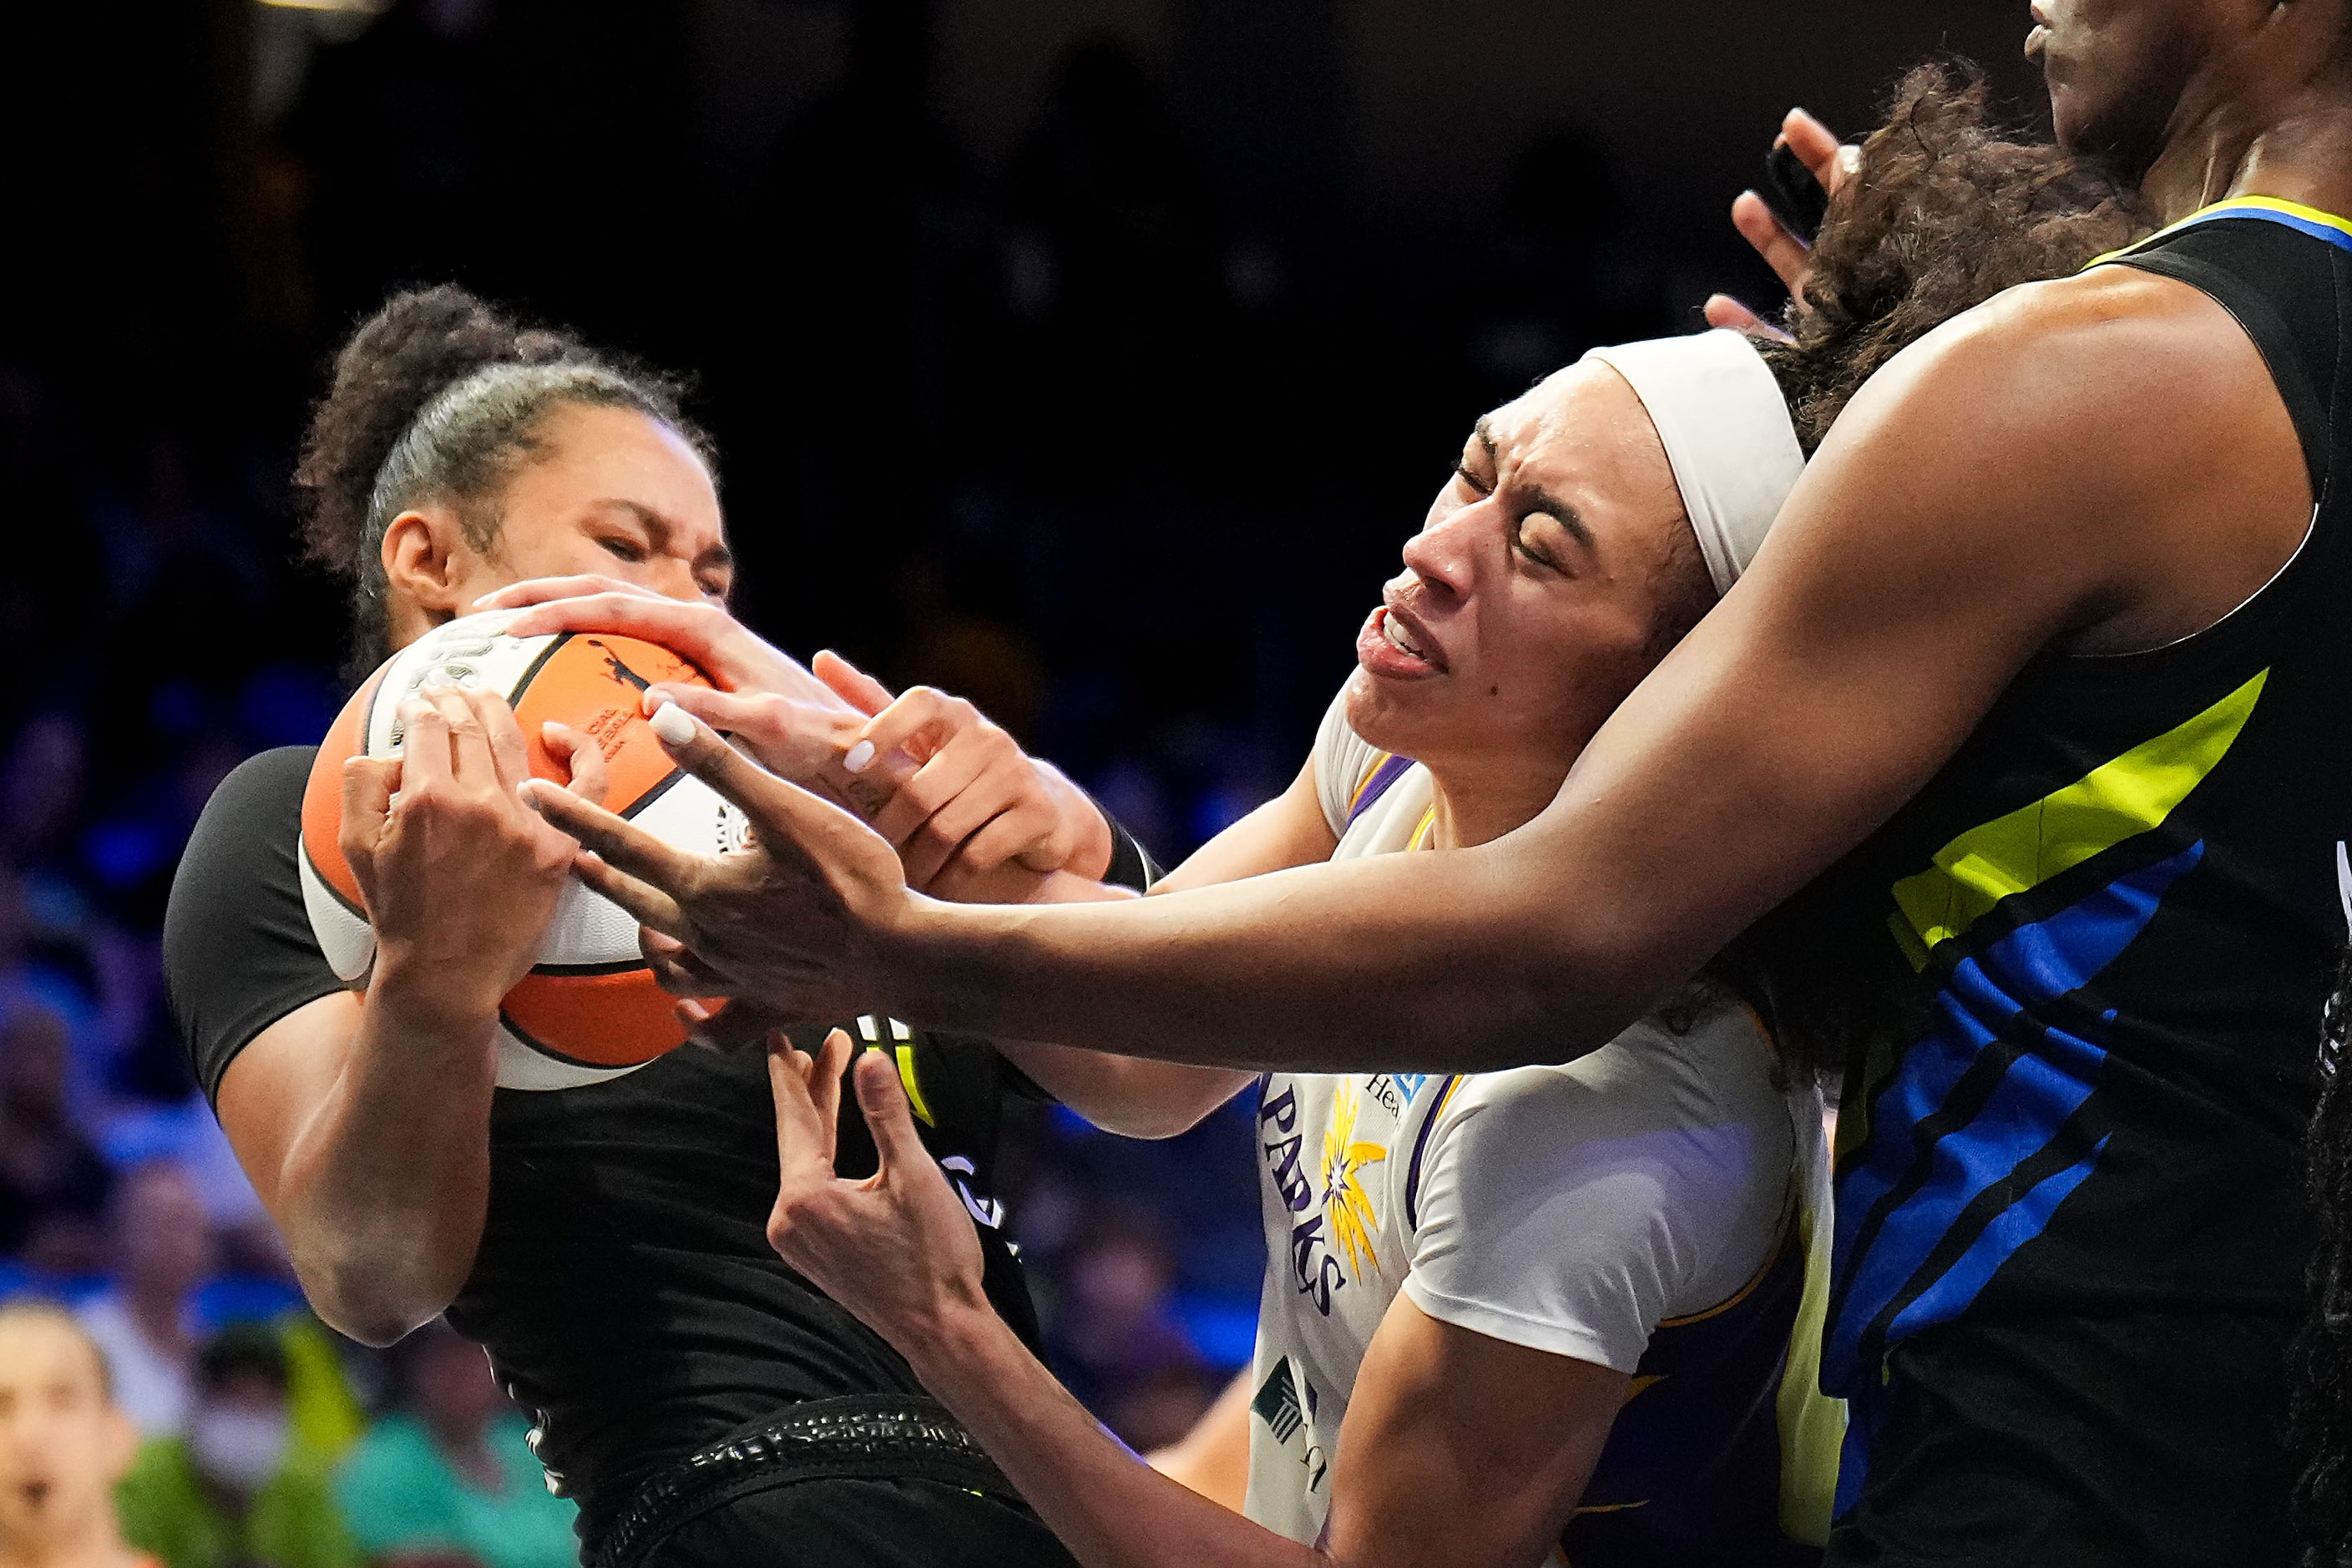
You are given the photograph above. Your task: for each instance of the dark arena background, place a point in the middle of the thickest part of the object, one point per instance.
(1089, 360)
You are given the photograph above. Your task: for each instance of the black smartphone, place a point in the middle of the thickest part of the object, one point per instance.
(1796, 198)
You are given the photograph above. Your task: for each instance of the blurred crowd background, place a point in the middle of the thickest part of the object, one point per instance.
(1090, 360)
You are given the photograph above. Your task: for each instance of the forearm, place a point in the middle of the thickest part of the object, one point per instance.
(1442, 962)
(386, 1186)
(1133, 1097)
(1109, 1507)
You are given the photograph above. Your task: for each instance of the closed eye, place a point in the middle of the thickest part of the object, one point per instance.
(622, 548)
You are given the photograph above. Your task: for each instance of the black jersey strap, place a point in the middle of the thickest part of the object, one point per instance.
(2280, 270)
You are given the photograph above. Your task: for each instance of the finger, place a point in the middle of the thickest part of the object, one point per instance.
(369, 783)
(791, 739)
(947, 830)
(778, 810)
(883, 1098)
(1723, 311)
(683, 628)
(540, 590)
(1783, 252)
(623, 844)
(591, 780)
(424, 744)
(647, 904)
(920, 722)
(935, 785)
(801, 1157)
(469, 738)
(1003, 840)
(849, 683)
(509, 755)
(1816, 146)
(719, 710)
(680, 970)
(825, 1083)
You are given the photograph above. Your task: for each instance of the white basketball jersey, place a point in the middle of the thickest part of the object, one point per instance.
(1359, 1175)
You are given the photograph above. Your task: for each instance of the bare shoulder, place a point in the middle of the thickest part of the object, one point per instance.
(2045, 365)
(2117, 432)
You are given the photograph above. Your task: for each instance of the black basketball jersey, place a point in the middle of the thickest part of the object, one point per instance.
(624, 1284)
(2070, 1230)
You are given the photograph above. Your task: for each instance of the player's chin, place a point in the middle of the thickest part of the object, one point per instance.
(1401, 717)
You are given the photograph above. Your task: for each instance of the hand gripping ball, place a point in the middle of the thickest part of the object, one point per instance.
(589, 1010)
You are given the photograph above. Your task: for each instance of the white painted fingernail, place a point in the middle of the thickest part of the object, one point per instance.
(673, 724)
(860, 757)
(654, 700)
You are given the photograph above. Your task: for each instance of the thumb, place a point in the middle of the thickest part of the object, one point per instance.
(368, 786)
(889, 1117)
(850, 684)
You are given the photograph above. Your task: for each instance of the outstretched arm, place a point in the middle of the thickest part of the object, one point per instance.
(1425, 1473)
(2097, 465)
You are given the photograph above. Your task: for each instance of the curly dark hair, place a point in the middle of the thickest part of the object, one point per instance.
(1947, 208)
(437, 396)
(2320, 1409)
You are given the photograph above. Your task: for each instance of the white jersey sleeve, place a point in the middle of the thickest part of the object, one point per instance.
(1342, 760)
(1571, 1209)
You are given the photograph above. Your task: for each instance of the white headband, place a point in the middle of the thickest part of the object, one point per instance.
(1728, 438)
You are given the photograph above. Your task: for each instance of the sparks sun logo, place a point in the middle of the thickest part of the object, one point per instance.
(1345, 1200)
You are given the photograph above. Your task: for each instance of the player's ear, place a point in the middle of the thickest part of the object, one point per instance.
(425, 560)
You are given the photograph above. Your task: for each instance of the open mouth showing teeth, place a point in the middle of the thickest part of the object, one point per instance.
(1393, 629)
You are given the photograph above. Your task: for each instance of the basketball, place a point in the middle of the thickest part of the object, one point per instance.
(590, 1009)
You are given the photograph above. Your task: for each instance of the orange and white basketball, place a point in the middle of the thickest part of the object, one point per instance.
(589, 1010)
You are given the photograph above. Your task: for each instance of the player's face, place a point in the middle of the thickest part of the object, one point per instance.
(1525, 611)
(2117, 69)
(62, 1447)
(611, 492)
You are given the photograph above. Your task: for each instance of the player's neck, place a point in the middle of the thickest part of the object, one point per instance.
(2293, 143)
(1473, 810)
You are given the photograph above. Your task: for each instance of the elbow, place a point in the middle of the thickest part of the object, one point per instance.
(1153, 1124)
(361, 1298)
(376, 1318)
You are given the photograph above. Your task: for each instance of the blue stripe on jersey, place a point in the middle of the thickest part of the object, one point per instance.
(1971, 1102)
(2303, 220)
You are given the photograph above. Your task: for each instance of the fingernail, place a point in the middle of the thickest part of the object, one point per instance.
(654, 700)
(673, 724)
(860, 756)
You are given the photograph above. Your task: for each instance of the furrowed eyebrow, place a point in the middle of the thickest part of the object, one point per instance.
(1486, 434)
(1552, 506)
(656, 526)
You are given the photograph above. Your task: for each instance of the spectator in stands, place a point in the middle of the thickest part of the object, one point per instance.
(450, 1479)
(163, 1248)
(53, 1184)
(237, 1489)
(63, 1446)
